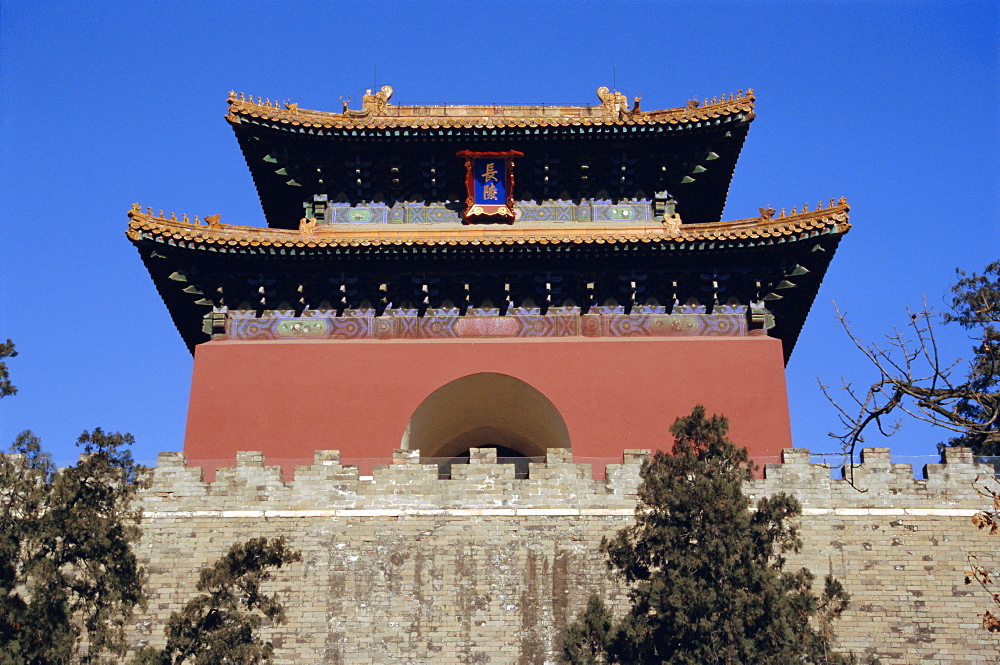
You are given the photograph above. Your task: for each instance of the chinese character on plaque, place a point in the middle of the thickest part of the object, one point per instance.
(489, 186)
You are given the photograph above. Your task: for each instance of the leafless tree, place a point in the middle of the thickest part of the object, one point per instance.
(914, 380)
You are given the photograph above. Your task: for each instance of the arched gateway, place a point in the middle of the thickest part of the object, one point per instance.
(485, 410)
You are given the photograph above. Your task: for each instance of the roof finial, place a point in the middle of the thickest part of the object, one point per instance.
(307, 225)
(376, 103)
(614, 103)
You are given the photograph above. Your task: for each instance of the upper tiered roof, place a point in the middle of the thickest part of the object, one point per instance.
(611, 151)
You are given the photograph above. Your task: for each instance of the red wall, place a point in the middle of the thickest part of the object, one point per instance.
(289, 398)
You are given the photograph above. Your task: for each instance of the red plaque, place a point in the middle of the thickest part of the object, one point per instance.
(489, 185)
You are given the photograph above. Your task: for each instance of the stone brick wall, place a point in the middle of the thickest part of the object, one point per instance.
(403, 567)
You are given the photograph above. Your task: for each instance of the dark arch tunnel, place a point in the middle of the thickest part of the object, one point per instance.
(485, 410)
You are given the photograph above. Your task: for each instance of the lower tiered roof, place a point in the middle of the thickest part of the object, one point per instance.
(771, 264)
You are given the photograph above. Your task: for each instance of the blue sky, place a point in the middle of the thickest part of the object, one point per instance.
(102, 104)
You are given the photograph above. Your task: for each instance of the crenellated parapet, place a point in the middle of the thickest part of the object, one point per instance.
(406, 485)
(876, 484)
(411, 484)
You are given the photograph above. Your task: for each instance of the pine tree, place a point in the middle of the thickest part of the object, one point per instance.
(587, 640)
(69, 580)
(6, 387)
(704, 572)
(222, 623)
(976, 307)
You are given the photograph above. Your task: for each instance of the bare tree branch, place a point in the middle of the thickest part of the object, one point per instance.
(913, 380)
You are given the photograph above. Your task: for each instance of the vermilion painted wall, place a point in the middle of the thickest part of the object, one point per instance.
(289, 398)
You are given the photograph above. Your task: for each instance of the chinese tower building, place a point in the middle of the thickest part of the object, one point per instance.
(439, 278)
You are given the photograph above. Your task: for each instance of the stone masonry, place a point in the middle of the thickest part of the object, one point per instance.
(484, 568)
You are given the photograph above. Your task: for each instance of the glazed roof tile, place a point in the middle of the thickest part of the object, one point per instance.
(766, 228)
(377, 112)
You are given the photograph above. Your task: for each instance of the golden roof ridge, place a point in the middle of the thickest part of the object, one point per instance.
(376, 111)
(833, 217)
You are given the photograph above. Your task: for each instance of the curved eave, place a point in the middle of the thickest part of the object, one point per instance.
(795, 310)
(252, 239)
(809, 238)
(184, 312)
(491, 130)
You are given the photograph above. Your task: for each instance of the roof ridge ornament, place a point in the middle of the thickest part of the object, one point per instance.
(376, 109)
(372, 104)
(307, 226)
(615, 104)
